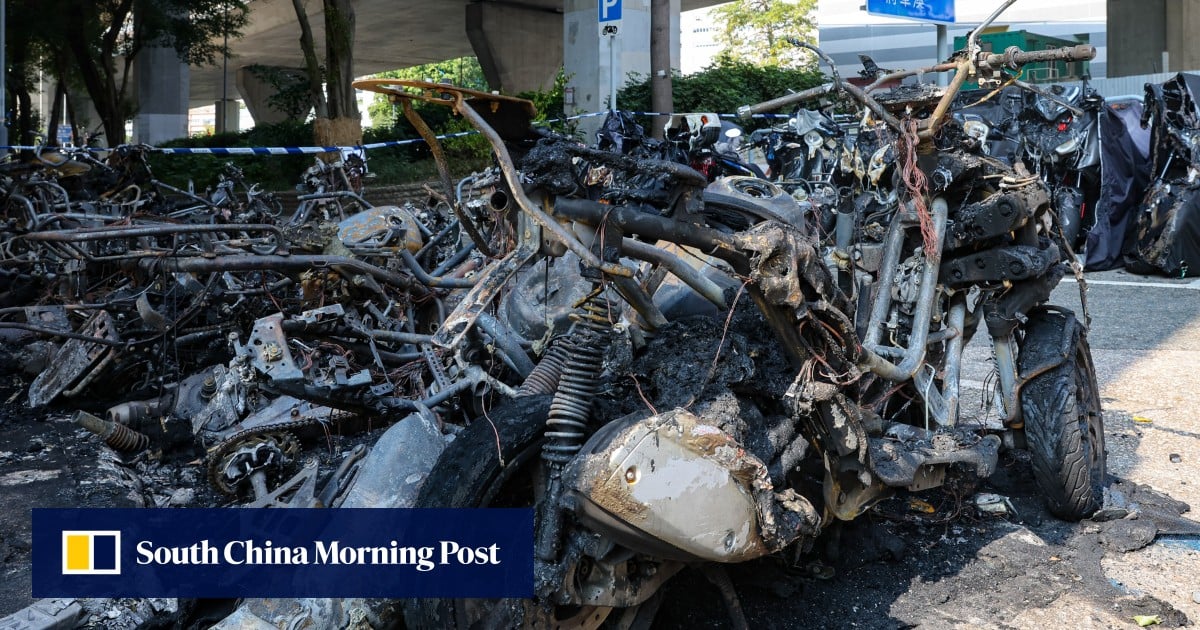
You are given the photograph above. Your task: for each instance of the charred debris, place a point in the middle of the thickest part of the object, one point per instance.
(218, 325)
(634, 314)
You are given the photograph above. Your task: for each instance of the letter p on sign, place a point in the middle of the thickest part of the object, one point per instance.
(610, 10)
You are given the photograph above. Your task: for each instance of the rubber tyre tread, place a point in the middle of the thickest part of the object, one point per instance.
(466, 471)
(1060, 445)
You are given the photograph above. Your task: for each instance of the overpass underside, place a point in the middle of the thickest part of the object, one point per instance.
(521, 44)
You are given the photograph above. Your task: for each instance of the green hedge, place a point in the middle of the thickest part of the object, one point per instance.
(391, 165)
(274, 172)
(723, 88)
(719, 89)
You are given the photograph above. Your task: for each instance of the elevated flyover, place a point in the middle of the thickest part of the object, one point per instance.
(520, 44)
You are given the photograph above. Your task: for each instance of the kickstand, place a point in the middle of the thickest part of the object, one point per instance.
(733, 605)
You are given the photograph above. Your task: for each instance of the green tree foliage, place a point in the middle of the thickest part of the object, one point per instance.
(463, 72)
(97, 41)
(757, 31)
(410, 162)
(723, 87)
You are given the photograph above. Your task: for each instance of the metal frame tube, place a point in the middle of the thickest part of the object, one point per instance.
(955, 322)
(448, 188)
(914, 355)
(632, 221)
(199, 264)
(507, 343)
(98, 234)
(513, 179)
(636, 296)
(883, 296)
(689, 275)
(1006, 372)
(432, 281)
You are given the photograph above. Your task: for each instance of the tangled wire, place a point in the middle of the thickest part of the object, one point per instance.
(916, 185)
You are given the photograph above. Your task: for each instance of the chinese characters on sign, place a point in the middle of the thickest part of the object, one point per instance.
(941, 11)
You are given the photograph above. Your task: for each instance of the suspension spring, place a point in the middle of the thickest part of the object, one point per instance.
(566, 426)
(545, 376)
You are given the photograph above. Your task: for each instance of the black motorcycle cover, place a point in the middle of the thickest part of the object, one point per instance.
(1124, 176)
(620, 133)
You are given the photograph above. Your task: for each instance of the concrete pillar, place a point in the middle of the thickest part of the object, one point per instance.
(162, 95)
(1182, 20)
(518, 46)
(586, 54)
(226, 109)
(256, 92)
(227, 115)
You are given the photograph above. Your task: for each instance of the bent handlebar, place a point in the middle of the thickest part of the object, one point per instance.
(1013, 59)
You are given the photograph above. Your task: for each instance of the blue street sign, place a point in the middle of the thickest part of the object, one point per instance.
(940, 11)
(609, 10)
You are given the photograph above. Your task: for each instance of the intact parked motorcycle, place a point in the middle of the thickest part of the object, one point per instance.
(708, 144)
(803, 153)
(647, 443)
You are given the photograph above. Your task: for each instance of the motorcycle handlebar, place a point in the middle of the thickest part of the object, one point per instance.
(1014, 57)
(746, 111)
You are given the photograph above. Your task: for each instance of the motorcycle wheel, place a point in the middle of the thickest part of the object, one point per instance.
(1064, 426)
(469, 473)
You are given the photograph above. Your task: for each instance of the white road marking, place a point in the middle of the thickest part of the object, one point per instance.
(1195, 286)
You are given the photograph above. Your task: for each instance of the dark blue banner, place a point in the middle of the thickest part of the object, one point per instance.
(234, 552)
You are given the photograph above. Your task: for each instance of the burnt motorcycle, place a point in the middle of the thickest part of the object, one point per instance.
(650, 440)
(1060, 140)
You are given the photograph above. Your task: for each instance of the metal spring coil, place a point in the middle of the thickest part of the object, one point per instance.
(123, 438)
(546, 374)
(566, 426)
(118, 436)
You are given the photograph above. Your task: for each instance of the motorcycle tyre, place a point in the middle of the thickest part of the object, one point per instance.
(469, 474)
(1064, 425)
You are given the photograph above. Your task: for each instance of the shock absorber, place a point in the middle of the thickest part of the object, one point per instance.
(546, 374)
(566, 426)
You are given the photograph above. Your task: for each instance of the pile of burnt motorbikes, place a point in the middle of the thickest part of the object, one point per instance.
(676, 367)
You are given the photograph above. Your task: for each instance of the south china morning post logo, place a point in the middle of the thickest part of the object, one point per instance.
(89, 552)
(223, 553)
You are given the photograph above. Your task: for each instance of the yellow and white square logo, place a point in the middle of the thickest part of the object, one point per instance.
(91, 552)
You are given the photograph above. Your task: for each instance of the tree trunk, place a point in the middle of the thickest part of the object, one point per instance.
(18, 90)
(96, 66)
(102, 90)
(25, 128)
(56, 114)
(73, 120)
(343, 127)
(339, 59)
(661, 89)
(312, 65)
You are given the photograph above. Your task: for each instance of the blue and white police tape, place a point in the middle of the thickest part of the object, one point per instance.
(331, 149)
(762, 116)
